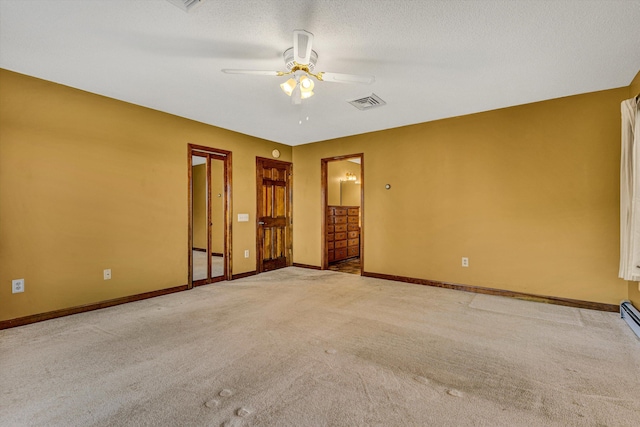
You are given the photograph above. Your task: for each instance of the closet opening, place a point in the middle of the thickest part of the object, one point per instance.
(209, 215)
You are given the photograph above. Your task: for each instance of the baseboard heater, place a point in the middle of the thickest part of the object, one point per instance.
(630, 315)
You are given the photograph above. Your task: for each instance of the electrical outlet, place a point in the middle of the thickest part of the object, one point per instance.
(17, 286)
(465, 261)
(107, 274)
(246, 253)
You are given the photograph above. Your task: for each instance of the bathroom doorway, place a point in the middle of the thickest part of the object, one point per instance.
(343, 213)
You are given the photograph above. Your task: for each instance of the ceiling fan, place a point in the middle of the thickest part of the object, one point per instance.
(300, 62)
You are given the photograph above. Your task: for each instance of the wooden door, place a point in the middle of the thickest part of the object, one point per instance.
(274, 240)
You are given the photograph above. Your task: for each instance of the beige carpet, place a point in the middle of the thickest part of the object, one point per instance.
(299, 347)
(516, 307)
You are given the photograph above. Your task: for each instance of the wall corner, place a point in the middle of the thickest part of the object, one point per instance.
(634, 86)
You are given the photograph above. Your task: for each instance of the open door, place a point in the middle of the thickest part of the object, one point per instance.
(273, 228)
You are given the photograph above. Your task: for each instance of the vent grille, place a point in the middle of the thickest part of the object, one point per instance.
(368, 102)
(630, 315)
(186, 5)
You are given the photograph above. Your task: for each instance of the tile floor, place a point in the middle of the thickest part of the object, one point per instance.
(351, 266)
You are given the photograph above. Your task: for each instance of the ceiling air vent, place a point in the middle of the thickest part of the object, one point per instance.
(368, 102)
(186, 5)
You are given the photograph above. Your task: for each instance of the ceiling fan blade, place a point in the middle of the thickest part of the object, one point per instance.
(302, 42)
(253, 72)
(346, 78)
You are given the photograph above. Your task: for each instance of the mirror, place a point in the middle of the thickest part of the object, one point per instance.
(343, 182)
(217, 218)
(207, 174)
(199, 212)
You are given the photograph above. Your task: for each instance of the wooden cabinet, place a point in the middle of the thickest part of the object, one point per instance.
(343, 232)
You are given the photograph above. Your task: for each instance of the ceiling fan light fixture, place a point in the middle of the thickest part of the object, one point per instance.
(306, 84)
(300, 61)
(288, 86)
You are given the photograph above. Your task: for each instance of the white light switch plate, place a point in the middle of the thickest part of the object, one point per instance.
(243, 217)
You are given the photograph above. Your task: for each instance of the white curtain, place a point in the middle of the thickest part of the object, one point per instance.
(630, 192)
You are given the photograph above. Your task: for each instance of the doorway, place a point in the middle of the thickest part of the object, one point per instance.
(343, 213)
(274, 242)
(209, 210)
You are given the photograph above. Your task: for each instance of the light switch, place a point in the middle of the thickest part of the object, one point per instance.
(243, 217)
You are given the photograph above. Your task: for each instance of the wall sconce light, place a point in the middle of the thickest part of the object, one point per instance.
(351, 177)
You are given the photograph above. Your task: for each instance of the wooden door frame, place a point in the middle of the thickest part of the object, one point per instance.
(324, 194)
(225, 156)
(289, 226)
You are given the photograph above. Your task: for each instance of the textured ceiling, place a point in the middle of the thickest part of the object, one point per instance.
(431, 59)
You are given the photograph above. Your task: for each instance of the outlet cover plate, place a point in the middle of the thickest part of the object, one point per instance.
(17, 286)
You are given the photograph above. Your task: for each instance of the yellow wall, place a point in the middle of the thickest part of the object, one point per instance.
(634, 294)
(530, 194)
(634, 87)
(88, 183)
(337, 172)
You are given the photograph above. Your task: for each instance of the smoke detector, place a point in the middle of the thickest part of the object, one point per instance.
(368, 102)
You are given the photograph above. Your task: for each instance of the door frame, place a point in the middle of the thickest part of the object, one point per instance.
(225, 156)
(324, 194)
(289, 213)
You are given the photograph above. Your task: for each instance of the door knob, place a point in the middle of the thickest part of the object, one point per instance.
(261, 222)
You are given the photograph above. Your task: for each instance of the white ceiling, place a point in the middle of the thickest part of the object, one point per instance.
(431, 59)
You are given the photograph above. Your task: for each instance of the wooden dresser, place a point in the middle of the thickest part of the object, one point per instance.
(343, 232)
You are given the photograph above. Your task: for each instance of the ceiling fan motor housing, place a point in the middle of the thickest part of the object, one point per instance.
(290, 63)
